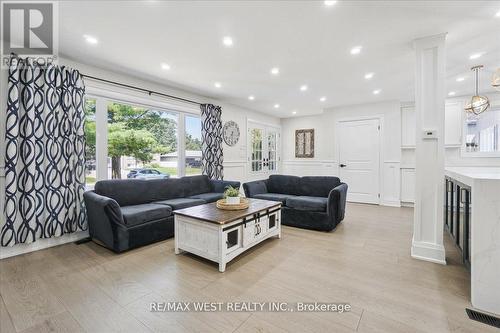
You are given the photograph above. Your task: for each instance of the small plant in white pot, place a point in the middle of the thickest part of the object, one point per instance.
(232, 195)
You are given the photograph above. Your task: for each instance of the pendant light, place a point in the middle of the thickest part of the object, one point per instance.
(495, 80)
(478, 104)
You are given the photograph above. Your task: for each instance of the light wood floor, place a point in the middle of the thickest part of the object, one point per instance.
(365, 262)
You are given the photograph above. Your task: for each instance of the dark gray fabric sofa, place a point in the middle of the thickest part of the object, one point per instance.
(125, 214)
(316, 203)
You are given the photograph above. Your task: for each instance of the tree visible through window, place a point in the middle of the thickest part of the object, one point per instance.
(139, 137)
(90, 150)
(193, 145)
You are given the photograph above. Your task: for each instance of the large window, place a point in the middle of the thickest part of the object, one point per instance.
(90, 146)
(133, 136)
(482, 132)
(142, 142)
(193, 145)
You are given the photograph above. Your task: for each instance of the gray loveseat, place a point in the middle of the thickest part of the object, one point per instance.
(316, 203)
(125, 214)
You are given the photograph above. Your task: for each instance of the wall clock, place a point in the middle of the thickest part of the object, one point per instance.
(231, 133)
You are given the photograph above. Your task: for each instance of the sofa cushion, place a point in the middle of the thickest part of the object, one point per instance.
(180, 203)
(163, 189)
(126, 192)
(139, 214)
(318, 186)
(208, 197)
(283, 184)
(273, 196)
(196, 185)
(312, 204)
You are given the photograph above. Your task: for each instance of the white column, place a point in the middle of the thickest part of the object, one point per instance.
(430, 70)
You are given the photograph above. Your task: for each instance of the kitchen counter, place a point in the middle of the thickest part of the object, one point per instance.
(484, 183)
(469, 174)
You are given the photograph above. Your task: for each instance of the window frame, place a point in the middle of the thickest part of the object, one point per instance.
(105, 93)
(185, 134)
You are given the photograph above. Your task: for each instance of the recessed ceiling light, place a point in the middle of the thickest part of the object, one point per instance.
(227, 41)
(294, 112)
(452, 93)
(276, 106)
(275, 70)
(377, 91)
(369, 76)
(460, 79)
(303, 87)
(322, 99)
(475, 56)
(330, 3)
(251, 97)
(165, 66)
(356, 50)
(497, 14)
(90, 39)
(217, 85)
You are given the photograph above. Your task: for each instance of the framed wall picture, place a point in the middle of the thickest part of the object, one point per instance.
(304, 143)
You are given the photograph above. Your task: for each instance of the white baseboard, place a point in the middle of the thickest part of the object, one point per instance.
(428, 252)
(390, 203)
(40, 244)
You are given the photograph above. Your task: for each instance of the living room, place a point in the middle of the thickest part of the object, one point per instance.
(250, 166)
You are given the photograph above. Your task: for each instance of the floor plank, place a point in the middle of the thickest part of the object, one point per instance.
(62, 322)
(6, 325)
(29, 302)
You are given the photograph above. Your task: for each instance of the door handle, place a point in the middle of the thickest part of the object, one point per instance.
(342, 165)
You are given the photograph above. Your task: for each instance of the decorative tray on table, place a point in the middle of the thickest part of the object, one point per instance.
(244, 203)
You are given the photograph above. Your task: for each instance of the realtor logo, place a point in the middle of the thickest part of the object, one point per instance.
(28, 28)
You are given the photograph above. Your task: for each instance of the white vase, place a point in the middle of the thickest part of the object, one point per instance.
(232, 200)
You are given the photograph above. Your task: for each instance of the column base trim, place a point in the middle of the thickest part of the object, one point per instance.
(428, 252)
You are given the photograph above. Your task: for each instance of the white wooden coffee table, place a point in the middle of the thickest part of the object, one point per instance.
(221, 235)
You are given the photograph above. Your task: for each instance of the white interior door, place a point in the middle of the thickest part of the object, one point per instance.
(359, 157)
(263, 154)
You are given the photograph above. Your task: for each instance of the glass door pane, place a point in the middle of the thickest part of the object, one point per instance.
(256, 138)
(272, 151)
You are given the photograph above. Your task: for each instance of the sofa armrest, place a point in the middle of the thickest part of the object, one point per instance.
(337, 201)
(255, 187)
(102, 208)
(219, 186)
(104, 218)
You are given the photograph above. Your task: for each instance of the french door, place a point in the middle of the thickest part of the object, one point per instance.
(263, 154)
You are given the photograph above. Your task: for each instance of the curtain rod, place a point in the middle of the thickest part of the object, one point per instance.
(149, 92)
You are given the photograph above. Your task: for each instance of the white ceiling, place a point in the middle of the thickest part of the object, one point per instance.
(308, 41)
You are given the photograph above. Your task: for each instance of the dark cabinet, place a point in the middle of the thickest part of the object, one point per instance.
(457, 216)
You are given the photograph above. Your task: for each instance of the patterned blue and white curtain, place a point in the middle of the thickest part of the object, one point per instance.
(211, 145)
(44, 156)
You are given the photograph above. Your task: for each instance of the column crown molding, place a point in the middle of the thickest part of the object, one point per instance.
(430, 41)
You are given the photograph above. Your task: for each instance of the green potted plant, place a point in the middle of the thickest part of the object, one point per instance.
(232, 195)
